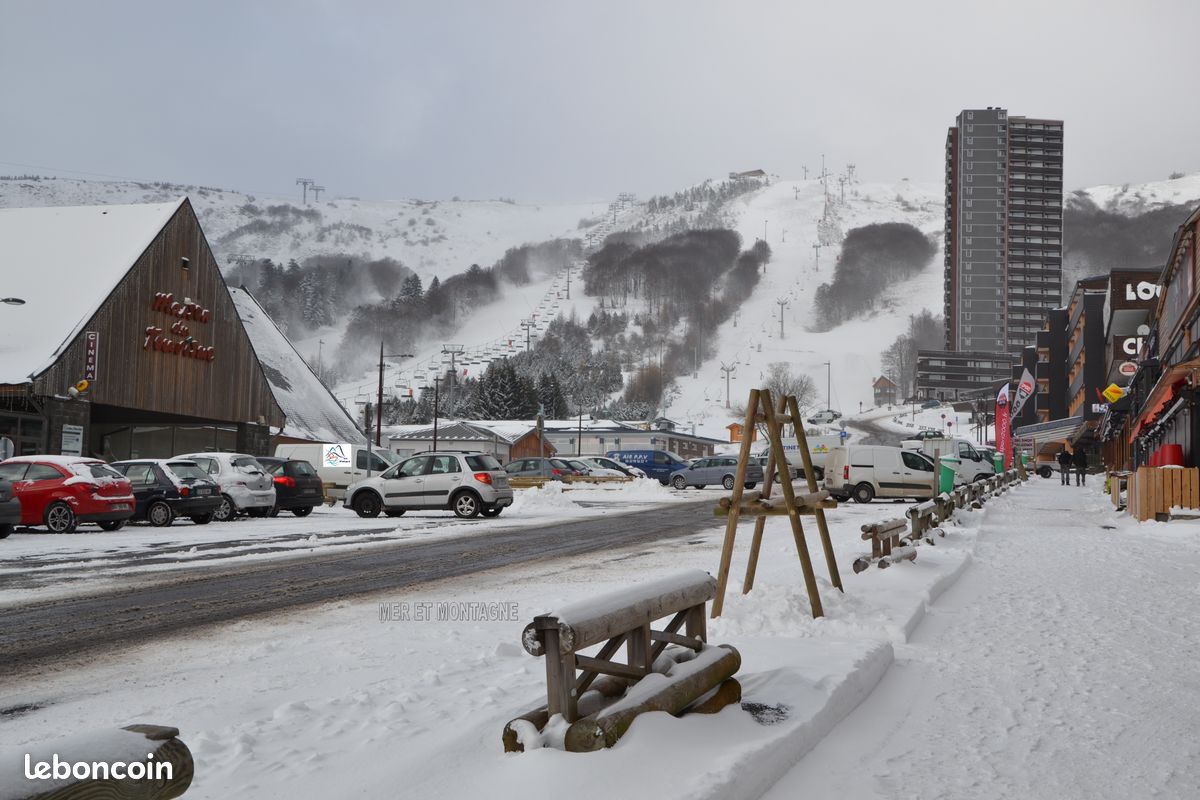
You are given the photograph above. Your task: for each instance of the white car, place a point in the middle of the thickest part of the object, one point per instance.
(245, 486)
(826, 417)
(602, 462)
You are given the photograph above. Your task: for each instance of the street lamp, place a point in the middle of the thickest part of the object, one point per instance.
(12, 301)
(828, 384)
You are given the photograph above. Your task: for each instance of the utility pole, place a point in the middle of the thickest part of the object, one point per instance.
(842, 185)
(320, 352)
(437, 384)
(736, 314)
(452, 350)
(316, 190)
(764, 230)
(379, 404)
(305, 182)
(528, 325)
(568, 281)
(783, 236)
(782, 305)
(805, 178)
(828, 384)
(816, 256)
(728, 369)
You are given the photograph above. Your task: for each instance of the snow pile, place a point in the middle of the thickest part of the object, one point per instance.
(539, 500)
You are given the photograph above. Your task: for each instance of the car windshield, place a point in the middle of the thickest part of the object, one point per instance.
(187, 471)
(673, 455)
(483, 462)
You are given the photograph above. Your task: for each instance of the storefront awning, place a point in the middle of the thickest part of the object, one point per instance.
(1164, 394)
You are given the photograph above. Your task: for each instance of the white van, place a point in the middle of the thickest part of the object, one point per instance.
(818, 450)
(972, 465)
(340, 464)
(865, 472)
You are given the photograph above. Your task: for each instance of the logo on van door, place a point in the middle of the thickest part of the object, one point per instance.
(335, 455)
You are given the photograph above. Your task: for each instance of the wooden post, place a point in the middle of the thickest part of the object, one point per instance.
(560, 672)
(789, 497)
(638, 649)
(822, 526)
(735, 504)
(695, 625)
(761, 523)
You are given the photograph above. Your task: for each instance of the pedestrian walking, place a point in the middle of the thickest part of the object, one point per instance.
(1064, 466)
(1079, 459)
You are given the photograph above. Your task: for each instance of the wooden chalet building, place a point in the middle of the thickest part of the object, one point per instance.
(128, 298)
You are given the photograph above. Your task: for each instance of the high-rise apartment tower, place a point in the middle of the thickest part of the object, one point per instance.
(1003, 229)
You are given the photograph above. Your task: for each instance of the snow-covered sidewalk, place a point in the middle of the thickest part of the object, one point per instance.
(1062, 665)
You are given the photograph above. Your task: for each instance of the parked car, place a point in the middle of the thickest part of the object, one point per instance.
(340, 464)
(467, 483)
(593, 470)
(164, 489)
(657, 464)
(553, 468)
(297, 487)
(716, 470)
(245, 486)
(616, 466)
(865, 472)
(10, 508)
(61, 492)
(931, 404)
(922, 435)
(825, 417)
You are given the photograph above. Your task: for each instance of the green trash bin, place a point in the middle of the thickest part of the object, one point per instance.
(998, 462)
(947, 474)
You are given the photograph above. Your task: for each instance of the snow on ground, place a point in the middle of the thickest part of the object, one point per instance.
(1040, 667)
(1061, 666)
(1139, 198)
(793, 274)
(416, 708)
(37, 565)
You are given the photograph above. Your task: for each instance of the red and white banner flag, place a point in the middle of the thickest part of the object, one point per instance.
(1003, 432)
(1024, 392)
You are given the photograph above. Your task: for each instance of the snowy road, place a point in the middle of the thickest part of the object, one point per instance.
(172, 602)
(1061, 665)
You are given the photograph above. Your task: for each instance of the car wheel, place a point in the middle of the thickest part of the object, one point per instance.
(983, 476)
(491, 512)
(1045, 472)
(465, 505)
(818, 473)
(274, 512)
(160, 515)
(663, 481)
(304, 511)
(678, 482)
(728, 482)
(5, 530)
(60, 518)
(202, 519)
(395, 512)
(751, 485)
(225, 511)
(367, 505)
(863, 493)
(110, 525)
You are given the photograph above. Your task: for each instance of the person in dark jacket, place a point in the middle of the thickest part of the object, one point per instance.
(1079, 459)
(1064, 466)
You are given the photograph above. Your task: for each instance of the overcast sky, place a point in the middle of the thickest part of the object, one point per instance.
(553, 101)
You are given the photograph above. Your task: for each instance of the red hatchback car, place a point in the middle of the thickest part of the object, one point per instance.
(62, 491)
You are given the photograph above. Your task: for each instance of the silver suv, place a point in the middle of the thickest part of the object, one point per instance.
(467, 483)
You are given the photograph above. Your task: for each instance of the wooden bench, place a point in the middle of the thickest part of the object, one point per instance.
(888, 544)
(153, 747)
(625, 617)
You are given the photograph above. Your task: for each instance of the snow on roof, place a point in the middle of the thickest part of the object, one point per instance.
(64, 262)
(62, 461)
(311, 410)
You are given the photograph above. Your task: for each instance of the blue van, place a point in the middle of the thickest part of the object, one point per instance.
(655, 463)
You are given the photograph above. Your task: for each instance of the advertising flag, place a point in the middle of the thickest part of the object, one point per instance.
(1003, 433)
(1024, 392)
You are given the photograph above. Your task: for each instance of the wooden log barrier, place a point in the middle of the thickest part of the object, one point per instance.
(674, 692)
(154, 748)
(906, 553)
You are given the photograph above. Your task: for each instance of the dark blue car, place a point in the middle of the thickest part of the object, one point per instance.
(658, 464)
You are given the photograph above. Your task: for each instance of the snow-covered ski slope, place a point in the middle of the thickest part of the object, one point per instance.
(792, 212)
(433, 238)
